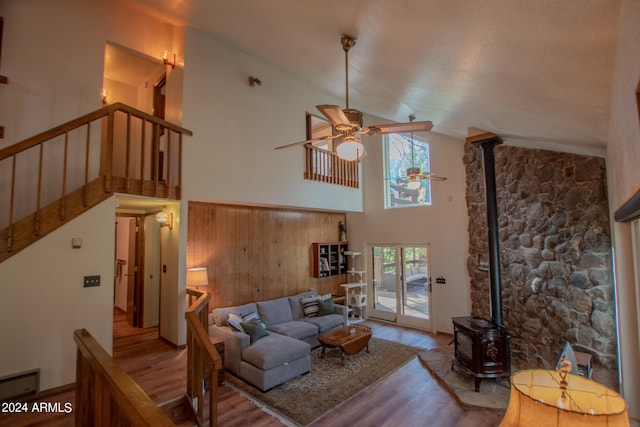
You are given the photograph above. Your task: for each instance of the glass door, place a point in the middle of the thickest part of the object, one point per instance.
(401, 284)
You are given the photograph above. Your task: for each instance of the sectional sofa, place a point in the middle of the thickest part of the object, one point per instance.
(272, 343)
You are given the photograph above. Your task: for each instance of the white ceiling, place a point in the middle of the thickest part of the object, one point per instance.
(536, 70)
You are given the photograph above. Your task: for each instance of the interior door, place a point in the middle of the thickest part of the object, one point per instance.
(401, 285)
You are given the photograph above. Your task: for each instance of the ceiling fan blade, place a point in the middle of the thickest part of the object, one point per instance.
(308, 141)
(430, 177)
(334, 114)
(398, 127)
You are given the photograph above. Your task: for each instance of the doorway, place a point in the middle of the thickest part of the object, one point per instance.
(401, 283)
(137, 270)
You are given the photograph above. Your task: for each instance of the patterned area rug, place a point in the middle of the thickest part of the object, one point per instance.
(306, 398)
(493, 394)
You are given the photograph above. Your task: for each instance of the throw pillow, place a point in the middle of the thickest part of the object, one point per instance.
(255, 329)
(252, 315)
(310, 306)
(325, 307)
(235, 323)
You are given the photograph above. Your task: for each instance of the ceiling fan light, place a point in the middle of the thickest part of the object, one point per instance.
(350, 149)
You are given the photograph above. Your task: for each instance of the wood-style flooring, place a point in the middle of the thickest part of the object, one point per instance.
(408, 397)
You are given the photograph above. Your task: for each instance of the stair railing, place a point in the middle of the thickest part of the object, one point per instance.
(204, 363)
(54, 176)
(105, 394)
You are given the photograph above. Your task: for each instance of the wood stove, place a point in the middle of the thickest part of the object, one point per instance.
(482, 346)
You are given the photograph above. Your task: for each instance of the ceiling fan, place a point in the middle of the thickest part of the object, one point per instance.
(348, 122)
(411, 180)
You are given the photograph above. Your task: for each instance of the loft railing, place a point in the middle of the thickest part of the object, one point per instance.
(326, 166)
(203, 360)
(105, 394)
(48, 179)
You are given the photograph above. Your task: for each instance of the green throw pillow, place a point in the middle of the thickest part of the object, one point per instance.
(325, 307)
(254, 329)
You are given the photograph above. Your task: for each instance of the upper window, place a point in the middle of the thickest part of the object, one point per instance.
(403, 155)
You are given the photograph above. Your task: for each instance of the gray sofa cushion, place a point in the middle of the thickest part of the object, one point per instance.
(274, 350)
(275, 311)
(295, 329)
(219, 316)
(325, 323)
(296, 304)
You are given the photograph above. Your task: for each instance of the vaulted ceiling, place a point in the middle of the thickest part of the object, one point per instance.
(537, 72)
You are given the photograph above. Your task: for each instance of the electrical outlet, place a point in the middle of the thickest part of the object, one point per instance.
(90, 281)
(441, 280)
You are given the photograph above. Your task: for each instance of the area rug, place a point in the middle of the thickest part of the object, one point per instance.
(329, 384)
(493, 394)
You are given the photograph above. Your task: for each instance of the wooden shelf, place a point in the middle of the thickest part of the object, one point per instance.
(329, 259)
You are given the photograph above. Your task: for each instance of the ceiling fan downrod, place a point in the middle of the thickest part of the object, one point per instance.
(347, 43)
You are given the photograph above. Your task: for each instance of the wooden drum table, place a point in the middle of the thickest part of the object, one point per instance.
(351, 340)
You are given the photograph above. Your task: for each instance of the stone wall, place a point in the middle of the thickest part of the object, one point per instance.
(555, 251)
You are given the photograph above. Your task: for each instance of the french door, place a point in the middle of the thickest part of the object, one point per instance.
(400, 288)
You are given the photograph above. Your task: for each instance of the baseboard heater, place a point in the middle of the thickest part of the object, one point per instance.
(21, 384)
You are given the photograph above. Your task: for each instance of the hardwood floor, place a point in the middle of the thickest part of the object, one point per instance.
(408, 397)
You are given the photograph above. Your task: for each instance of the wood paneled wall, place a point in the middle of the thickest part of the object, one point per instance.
(256, 253)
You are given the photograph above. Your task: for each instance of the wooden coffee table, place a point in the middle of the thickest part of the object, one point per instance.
(349, 342)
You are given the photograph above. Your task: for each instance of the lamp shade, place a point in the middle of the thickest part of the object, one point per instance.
(197, 277)
(350, 149)
(537, 400)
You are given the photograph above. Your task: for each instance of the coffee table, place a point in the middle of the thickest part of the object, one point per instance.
(350, 340)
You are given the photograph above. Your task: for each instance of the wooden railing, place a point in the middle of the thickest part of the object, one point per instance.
(203, 360)
(326, 166)
(64, 171)
(105, 394)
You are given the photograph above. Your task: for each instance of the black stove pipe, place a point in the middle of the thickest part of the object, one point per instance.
(487, 142)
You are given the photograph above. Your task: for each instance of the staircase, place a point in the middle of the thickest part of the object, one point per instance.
(106, 395)
(53, 177)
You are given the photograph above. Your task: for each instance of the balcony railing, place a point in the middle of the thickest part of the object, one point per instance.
(326, 166)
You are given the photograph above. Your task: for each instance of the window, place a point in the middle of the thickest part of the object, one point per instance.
(402, 186)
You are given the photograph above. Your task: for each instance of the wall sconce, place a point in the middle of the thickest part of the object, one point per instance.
(254, 81)
(104, 97)
(165, 59)
(165, 219)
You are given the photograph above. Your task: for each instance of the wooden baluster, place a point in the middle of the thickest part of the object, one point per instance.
(127, 161)
(85, 202)
(63, 200)
(107, 163)
(167, 158)
(11, 204)
(36, 230)
(156, 154)
(142, 150)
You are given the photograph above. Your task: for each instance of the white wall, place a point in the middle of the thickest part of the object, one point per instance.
(443, 224)
(42, 298)
(231, 156)
(623, 158)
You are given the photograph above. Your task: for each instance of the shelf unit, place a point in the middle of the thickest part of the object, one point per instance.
(329, 259)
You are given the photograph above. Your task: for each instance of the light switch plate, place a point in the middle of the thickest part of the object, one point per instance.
(90, 281)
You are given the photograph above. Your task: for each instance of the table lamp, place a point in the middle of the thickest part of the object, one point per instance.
(197, 277)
